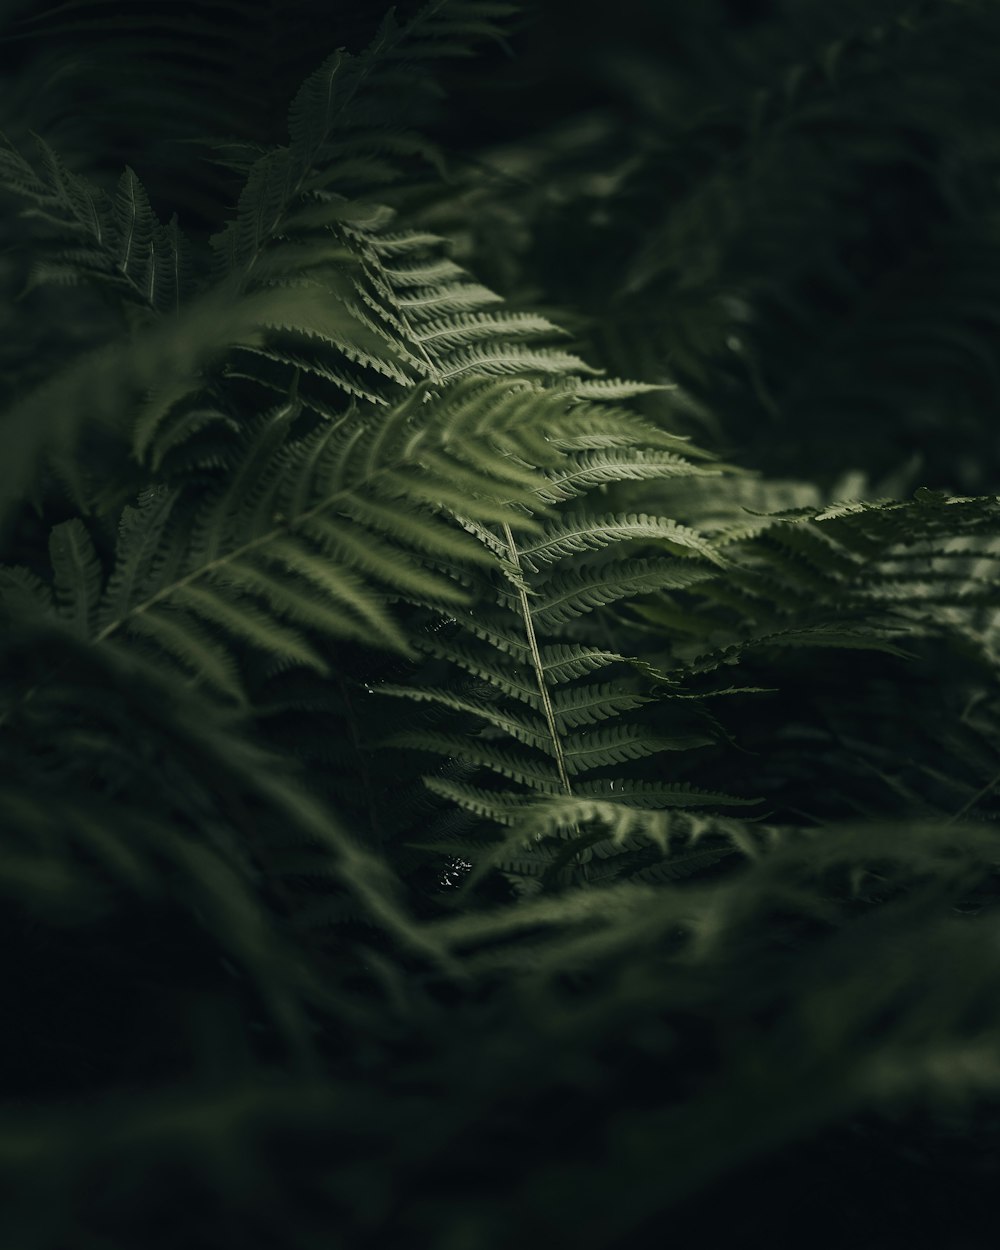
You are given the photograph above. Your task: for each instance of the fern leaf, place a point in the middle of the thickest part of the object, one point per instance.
(587, 704)
(136, 227)
(566, 661)
(141, 540)
(77, 574)
(290, 600)
(612, 388)
(343, 588)
(172, 277)
(499, 806)
(598, 468)
(73, 199)
(321, 210)
(260, 211)
(585, 533)
(816, 636)
(624, 808)
(567, 596)
(538, 774)
(390, 565)
(192, 646)
(350, 385)
(506, 679)
(449, 297)
(176, 429)
(17, 174)
(435, 490)
(617, 743)
(318, 104)
(421, 531)
(501, 359)
(466, 328)
(241, 618)
(531, 730)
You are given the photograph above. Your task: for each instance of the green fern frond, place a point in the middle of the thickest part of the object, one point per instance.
(500, 807)
(126, 247)
(358, 498)
(530, 730)
(617, 743)
(77, 574)
(466, 328)
(538, 774)
(548, 833)
(333, 464)
(574, 706)
(613, 388)
(588, 533)
(269, 188)
(177, 428)
(565, 597)
(486, 666)
(566, 661)
(240, 617)
(599, 468)
(141, 540)
(136, 227)
(864, 639)
(184, 639)
(288, 598)
(495, 359)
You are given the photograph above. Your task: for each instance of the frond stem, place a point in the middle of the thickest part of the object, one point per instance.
(536, 660)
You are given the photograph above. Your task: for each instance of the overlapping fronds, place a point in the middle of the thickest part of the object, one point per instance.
(443, 802)
(798, 224)
(555, 711)
(116, 239)
(313, 533)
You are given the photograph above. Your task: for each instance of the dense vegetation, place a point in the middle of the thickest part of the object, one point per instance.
(499, 718)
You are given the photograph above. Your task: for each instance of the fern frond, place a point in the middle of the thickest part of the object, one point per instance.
(288, 599)
(141, 540)
(466, 328)
(598, 468)
(614, 744)
(538, 774)
(184, 639)
(565, 597)
(588, 533)
(486, 666)
(574, 706)
(362, 500)
(548, 833)
(136, 228)
(566, 661)
(77, 573)
(126, 247)
(531, 730)
(500, 807)
(240, 617)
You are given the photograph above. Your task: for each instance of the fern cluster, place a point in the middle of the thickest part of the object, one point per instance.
(446, 801)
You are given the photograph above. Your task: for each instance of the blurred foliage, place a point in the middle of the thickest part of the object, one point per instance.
(789, 207)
